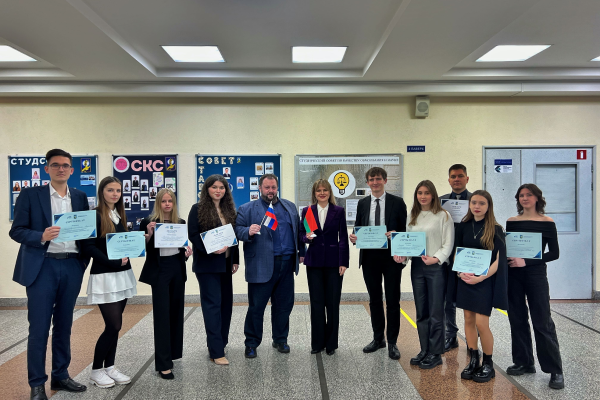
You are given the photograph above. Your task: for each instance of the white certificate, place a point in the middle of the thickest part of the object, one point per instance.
(170, 236)
(524, 245)
(75, 225)
(457, 208)
(217, 238)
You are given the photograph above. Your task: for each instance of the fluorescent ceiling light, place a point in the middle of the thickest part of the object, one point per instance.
(194, 53)
(512, 53)
(8, 54)
(306, 54)
(596, 59)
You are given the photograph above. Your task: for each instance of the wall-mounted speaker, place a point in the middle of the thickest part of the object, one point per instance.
(422, 107)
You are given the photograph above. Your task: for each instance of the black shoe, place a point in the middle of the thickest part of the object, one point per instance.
(517, 370)
(166, 376)
(330, 352)
(67, 384)
(316, 351)
(451, 343)
(486, 372)
(250, 352)
(431, 361)
(418, 358)
(38, 393)
(557, 381)
(282, 347)
(374, 346)
(472, 366)
(393, 352)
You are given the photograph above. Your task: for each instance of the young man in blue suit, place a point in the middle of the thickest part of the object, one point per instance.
(271, 258)
(51, 273)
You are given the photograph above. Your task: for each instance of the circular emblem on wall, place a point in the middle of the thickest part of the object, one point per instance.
(121, 164)
(342, 183)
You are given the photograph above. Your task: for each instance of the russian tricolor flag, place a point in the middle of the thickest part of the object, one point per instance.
(271, 219)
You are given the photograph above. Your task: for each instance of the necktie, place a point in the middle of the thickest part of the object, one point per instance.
(377, 213)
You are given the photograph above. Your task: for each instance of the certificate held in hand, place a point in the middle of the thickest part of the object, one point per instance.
(216, 239)
(125, 244)
(524, 245)
(75, 225)
(457, 208)
(371, 237)
(170, 236)
(409, 244)
(474, 261)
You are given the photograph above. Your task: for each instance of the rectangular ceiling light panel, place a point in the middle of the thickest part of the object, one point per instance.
(8, 54)
(194, 53)
(307, 54)
(512, 53)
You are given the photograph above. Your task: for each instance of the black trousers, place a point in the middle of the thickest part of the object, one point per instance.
(216, 298)
(450, 309)
(280, 289)
(168, 300)
(532, 283)
(374, 270)
(429, 288)
(325, 291)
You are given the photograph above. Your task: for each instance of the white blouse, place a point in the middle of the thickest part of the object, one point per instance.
(439, 230)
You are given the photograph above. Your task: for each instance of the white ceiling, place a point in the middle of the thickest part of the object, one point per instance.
(395, 47)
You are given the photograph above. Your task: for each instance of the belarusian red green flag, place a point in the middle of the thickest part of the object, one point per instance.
(310, 223)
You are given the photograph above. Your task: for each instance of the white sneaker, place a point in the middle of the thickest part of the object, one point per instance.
(117, 376)
(99, 378)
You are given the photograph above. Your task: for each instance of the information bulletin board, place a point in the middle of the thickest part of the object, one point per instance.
(242, 172)
(346, 174)
(142, 177)
(28, 171)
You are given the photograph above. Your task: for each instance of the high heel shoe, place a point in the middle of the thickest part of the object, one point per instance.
(220, 361)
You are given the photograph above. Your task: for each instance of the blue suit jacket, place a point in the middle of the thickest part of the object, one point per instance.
(258, 249)
(33, 214)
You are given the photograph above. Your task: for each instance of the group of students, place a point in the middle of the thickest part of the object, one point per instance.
(52, 273)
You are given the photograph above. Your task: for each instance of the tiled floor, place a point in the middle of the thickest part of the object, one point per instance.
(349, 374)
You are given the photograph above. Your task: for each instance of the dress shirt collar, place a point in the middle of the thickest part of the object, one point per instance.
(53, 192)
(319, 208)
(373, 198)
(463, 195)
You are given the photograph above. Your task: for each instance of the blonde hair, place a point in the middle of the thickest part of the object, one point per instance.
(158, 214)
(325, 183)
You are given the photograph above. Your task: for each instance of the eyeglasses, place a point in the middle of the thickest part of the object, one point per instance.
(60, 166)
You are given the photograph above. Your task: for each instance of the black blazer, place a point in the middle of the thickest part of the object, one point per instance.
(395, 217)
(151, 267)
(203, 262)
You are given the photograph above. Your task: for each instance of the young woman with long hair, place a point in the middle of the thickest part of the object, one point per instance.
(111, 282)
(429, 273)
(214, 270)
(164, 270)
(326, 262)
(528, 285)
(477, 295)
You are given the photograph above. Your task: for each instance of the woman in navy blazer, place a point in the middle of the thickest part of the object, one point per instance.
(326, 260)
(214, 270)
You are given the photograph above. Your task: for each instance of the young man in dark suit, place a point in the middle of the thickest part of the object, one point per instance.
(458, 179)
(381, 208)
(51, 272)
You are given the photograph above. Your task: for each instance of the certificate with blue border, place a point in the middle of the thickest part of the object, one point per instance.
(524, 245)
(371, 237)
(75, 226)
(125, 244)
(474, 261)
(409, 244)
(216, 239)
(170, 236)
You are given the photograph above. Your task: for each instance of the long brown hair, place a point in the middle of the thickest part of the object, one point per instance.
(158, 214)
(208, 217)
(325, 183)
(435, 206)
(489, 230)
(540, 205)
(106, 224)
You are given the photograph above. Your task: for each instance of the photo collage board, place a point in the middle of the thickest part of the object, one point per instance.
(143, 176)
(242, 172)
(28, 171)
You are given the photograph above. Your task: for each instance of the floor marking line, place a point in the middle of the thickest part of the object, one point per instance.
(145, 366)
(504, 374)
(322, 378)
(577, 322)
(502, 311)
(408, 318)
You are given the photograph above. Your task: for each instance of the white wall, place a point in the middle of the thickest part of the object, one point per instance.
(455, 132)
